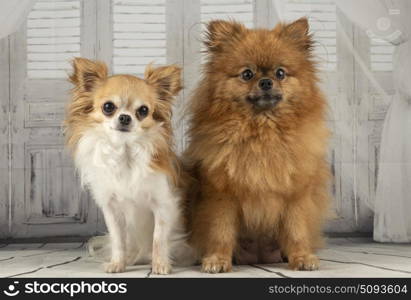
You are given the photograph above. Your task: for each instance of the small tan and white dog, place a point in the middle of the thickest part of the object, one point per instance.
(119, 131)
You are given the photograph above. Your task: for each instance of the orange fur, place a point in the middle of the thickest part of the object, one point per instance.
(259, 174)
(93, 86)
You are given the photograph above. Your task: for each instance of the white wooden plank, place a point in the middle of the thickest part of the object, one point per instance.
(25, 266)
(338, 85)
(5, 130)
(237, 272)
(72, 260)
(400, 264)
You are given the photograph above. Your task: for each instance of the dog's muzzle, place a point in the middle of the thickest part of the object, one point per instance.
(265, 101)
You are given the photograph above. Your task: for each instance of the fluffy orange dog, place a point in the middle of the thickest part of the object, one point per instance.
(258, 143)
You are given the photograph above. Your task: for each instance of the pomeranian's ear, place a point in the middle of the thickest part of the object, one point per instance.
(219, 31)
(297, 32)
(167, 80)
(87, 73)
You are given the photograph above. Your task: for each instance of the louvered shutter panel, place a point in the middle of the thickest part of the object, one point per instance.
(53, 37)
(381, 53)
(239, 10)
(322, 18)
(139, 35)
(47, 197)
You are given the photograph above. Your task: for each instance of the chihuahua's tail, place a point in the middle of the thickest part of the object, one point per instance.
(100, 247)
(182, 254)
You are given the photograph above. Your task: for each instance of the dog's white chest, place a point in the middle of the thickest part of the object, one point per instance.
(120, 168)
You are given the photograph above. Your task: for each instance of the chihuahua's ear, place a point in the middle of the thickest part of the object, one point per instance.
(87, 73)
(297, 32)
(167, 80)
(219, 31)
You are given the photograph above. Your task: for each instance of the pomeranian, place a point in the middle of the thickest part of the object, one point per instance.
(119, 130)
(258, 143)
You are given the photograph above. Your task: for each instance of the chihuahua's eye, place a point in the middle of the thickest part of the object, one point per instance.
(108, 108)
(247, 75)
(280, 73)
(142, 111)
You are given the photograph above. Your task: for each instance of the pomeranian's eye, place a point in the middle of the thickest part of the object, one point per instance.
(108, 108)
(247, 75)
(142, 111)
(280, 73)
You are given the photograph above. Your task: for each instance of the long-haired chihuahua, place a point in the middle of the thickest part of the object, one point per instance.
(119, 131)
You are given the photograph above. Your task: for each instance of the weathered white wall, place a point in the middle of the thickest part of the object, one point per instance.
(39, 194)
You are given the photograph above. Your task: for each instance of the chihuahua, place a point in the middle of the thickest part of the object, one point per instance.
(119, 131)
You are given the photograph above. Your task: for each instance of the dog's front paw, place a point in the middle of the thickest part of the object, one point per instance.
(216, 264)
(303, 262)
(161, 268)
(115, 267)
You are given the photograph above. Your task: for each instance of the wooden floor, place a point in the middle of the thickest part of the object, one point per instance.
(342, 257)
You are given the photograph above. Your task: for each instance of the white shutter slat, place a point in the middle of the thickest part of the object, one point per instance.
(139, 35)
(52, 23)
(73, 48)
(53, 33)
(48, 41)
(63, 5)
(239, 10)
(135, 43)
(48, 57)
(381, 53)
(150, 29)
(140, 2)
(322, 18)
(55, 66)
(139, 9)
(225, 2)
(52, 14)
(224, 8)
(138, 18)
(53, 38)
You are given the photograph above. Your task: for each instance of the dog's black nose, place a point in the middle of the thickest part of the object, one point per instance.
(265, 84)
(124, 119)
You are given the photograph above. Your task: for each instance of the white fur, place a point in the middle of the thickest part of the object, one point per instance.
(140, 205)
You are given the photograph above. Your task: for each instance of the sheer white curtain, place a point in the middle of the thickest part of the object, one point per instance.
(12, 14)
(390, 20)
